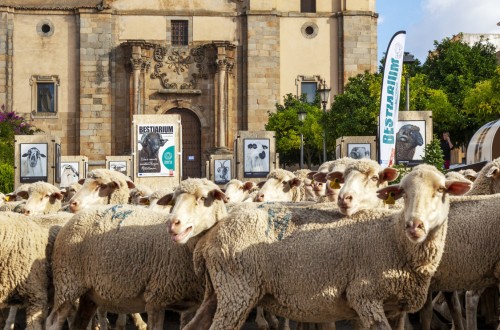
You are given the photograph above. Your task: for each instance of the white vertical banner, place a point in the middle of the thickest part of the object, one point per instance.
(389, 99)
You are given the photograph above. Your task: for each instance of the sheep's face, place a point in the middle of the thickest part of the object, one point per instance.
(360, 187)
(42, 200)
(426, 204)
(193, 213)
(278, 189)
(95, 192)
(237, 191)
(494, 174)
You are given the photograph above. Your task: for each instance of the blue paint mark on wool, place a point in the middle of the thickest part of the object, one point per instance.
(120, 215)
(278, 219)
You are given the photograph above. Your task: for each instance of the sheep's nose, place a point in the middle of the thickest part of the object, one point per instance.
(345, 200)
(26, 212)
(259, 198)
(74, 206)
(174, 222)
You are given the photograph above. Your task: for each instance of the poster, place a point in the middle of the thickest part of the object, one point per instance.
(69, 173)
(222, 171)
(33, 162)
(155, 150)
(256, 158)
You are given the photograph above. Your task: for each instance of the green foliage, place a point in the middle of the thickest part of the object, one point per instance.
(402, 170)
(434, 154)
(6, 178)
(483, 101)
(288, 128)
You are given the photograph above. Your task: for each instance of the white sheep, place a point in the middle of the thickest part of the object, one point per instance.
(129, 261)
(41, 197)
(102, 186)
(158, 200)
(320, 271)
(237, 191)
(139, 192)
(280, 185)
(332, 187)
(69, 191)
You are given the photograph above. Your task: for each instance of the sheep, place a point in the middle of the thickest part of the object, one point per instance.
(280, 185)
(237, 191)
(129, 260)
(102, 186)
(261, 255)
(41, 197)
(488, 179)
(469, 174)
(407, 139)
(69, 191)
(362, 179)
(332, 187)
(308, 186)
(137, 193)
(158, 200)
(32, 166)
(24, 271)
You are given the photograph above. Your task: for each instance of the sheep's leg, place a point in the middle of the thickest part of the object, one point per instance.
(471, 303)
(35, 316)
(185, 318)
(138, 321)
(121, 322)
(426, 313)
(11, 319)
(156, 319)
(58, 316)
(283, 323)
(260, 319)
(86, 311)
(102, 318)
(204, 314)
(271, 320)
(455, 309)
(371, 314)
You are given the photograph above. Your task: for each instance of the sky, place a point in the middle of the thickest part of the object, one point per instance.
(427, 20)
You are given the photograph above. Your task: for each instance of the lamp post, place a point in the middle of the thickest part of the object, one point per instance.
(302, 116)
(408, 59)
(324, 94)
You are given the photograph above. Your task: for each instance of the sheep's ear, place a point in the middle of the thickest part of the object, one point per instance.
(144, 201)
(23, 194)
(81, 181)
(165, 200)
(390, 193)
(218, 194)
(336, 178)
(57, 195)
(457, 188)
(319, 177)
(130, 185)
(492, 172)
(388, 174)
(248, 185)
(311, 174)
(295, 182)
(260, 184)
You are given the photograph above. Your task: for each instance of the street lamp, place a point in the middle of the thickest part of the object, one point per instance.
(324, 94)
(302, 116)
(408, 59)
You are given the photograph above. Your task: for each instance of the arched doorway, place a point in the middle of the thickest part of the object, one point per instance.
(191, 142)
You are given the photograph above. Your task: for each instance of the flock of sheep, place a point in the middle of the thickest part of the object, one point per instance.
(316, 247)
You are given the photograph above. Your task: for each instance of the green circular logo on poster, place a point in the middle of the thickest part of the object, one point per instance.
(168, 158)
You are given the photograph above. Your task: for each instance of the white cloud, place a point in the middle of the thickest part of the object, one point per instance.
(380, 20)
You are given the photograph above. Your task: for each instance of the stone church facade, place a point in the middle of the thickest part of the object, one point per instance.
(80, 69)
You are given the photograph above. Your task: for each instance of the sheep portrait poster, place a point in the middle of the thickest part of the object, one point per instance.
(410, 140)
(222, 171)
(33, 162)
(156, 150)
(256, 158)
(359, 150)
(120, 166)
(69, 173)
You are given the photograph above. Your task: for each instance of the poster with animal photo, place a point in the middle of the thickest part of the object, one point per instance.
(70, 173)
(57, 161)
(222, 171)
(256, 158)
(410, 140)
(118, 165)
(359, 150)
(33, 162)
(155, 150)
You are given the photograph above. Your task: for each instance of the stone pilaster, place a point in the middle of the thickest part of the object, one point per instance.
(6, 57)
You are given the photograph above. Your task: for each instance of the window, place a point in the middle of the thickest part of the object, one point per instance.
(307, 6)
(44, 95)
(180, 33)
(309, 88)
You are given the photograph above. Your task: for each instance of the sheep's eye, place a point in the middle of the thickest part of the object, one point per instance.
(374, 178)
(46, 196)
(203, 199)
(441, 189)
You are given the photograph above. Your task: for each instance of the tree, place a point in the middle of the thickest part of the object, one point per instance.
(288, 128)
(483, 101)
(433, 154)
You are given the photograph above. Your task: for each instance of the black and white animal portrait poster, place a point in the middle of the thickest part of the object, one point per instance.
(69, 173)
(256, 158)
(359, 150)
(57, 161)
(155, 150)
(410, 140)
(33, 162)
(118, 165)
(222, 171)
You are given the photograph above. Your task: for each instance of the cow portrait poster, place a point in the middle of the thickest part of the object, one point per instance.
(222, 171)
(256, 158)
(155, 150)
(410, 141)
(120, 166)
(70, 173)
(359, 150)
(33, 162)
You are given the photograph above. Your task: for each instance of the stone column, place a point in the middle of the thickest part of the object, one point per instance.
(136, 62)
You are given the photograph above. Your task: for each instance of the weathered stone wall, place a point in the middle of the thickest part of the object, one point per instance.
(6, 52)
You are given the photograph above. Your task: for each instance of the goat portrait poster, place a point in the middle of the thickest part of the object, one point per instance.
(222, 171)
(410, 140)
(33, 162)
(359, 150)
(120, 166)
(256, 158)
(155, 150)
(69, 173)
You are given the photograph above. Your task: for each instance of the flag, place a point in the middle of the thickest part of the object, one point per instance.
(389, 99)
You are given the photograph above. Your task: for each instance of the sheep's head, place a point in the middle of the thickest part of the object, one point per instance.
(280, 186)
(237, 191)
(361, 180)
(426, 204)
(197, 205)
(42, 197)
